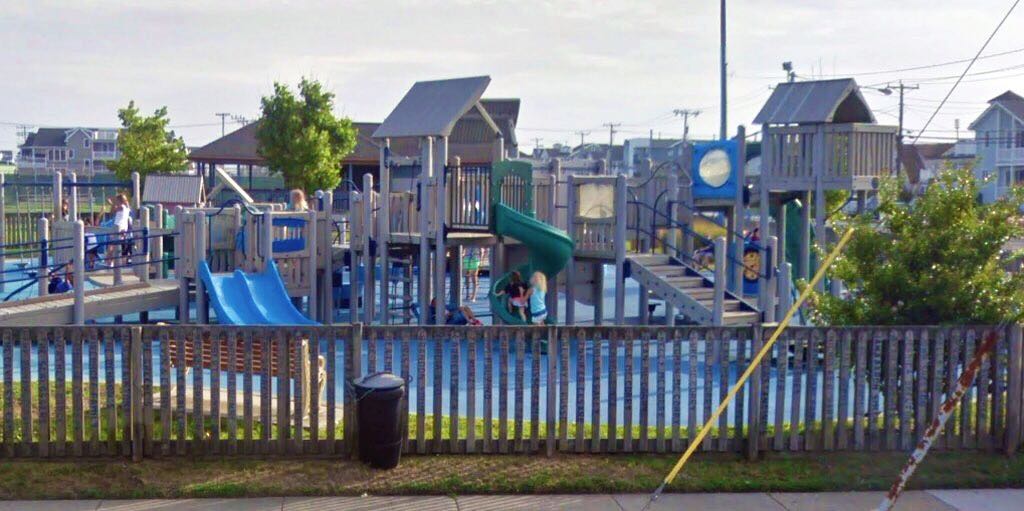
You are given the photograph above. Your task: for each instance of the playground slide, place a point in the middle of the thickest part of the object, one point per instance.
(241, 298)
(550, 249)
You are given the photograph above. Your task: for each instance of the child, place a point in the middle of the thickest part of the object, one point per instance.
(297, 198)
(471, 266)
(538, 288)
(516, 291)
(92, 247)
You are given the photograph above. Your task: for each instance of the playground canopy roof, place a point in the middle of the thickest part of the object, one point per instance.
(431, 108)
(184, 189)
(816, 102)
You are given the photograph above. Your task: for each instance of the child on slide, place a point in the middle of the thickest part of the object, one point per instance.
(516, 291)
(535, 296)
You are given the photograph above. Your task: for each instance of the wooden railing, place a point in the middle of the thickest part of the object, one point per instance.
(125, 391)
(840, 150)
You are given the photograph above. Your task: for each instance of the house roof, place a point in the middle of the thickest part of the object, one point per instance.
(1009, 101)
(597, 151)
(911, 162)
(173, 188)
(933, 151)
(816, 102)
(431, 108)
(239, 146)
(47, 137)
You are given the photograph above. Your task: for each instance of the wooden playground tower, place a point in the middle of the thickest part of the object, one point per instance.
(818, 136)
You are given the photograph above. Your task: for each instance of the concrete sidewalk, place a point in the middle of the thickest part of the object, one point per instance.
(940, 500)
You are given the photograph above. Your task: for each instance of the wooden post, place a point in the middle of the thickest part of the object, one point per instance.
(353, 258)
(135, 371)
(369, 264)
(58, 194)
(328, 283)
(754, 419)
(312, 233)
(1015, 395)
(620, 253)
(423, 198)
(73, 197)
(142, 270)
(819, 221)
(384, 228)
(672, 235)
(137, 191)
(157, 243)
(440, 212)
(570, 269)
(769, 286)
(202, 308)
(553, 286)
(267, 239)
(739, 210)
(718, 305)
(43, 229)
(804, 262)
(78, 268)
(3, 229)
(179, 221)
(785, 281)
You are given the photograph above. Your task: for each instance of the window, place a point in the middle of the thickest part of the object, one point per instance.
(1018, 175)
(987, 138)
(86, 141)
(71, 154)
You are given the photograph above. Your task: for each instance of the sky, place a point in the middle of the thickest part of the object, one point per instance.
(576, 65)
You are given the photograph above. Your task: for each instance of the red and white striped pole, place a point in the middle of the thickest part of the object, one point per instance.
(963, 384)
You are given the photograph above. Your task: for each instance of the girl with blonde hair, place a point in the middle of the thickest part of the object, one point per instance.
(297, 198)
(535, 296)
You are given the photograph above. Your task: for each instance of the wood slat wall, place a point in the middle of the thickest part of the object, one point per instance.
(132, 391)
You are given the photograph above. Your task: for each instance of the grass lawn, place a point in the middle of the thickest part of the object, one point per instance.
(444, 475)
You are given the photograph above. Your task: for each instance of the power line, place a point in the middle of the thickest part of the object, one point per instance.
(686, 114)
(968, 68)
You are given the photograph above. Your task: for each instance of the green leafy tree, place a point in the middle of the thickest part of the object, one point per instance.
(936, 260)
(145, 145)
(300, 137)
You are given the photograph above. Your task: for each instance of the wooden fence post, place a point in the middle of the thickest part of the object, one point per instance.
(353, 370)
(718, 305)
(135, 370)
(754, 419)
(78, 269)
(1015, 391)
(43, 228)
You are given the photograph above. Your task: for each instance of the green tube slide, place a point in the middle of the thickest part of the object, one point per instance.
(550, 249)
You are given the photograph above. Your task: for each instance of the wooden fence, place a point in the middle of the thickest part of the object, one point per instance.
(125, 391)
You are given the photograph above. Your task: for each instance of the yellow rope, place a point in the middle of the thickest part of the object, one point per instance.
(757, 359)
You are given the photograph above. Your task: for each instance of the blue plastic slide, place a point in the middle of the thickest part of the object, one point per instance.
(241, 298)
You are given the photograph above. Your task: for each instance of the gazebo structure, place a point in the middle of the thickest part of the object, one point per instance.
(818, 136)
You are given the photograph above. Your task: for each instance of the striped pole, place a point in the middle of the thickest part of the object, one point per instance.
(963, 383)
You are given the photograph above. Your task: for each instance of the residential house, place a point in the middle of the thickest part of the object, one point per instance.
(595, 152)
(548, 153)
(921, 163)
(82, 150)
(999, 137)
(6, 157)
(636, 150)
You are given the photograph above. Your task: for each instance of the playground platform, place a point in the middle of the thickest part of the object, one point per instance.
(99, 303)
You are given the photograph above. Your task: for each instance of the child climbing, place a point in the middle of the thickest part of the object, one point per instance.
(516, 291)
(536, 294)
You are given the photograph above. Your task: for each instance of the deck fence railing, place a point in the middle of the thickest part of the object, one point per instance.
(155, 391)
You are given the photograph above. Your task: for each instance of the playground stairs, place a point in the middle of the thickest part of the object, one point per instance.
(400, 289)
(690, 292)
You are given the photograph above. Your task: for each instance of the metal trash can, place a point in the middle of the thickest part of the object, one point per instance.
(378, 405)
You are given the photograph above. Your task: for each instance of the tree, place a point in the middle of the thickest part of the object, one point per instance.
(936, 260)
(300, 137)
(145, 145)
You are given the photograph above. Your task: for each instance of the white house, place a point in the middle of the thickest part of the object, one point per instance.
(999, 135)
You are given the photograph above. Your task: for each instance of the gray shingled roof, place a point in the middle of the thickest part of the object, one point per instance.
(432, 108)
(1012, 102)
(815, 102)
(46, 137)
(173, 188)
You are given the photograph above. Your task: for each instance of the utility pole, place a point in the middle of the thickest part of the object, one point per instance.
(223, 116)
(582, 134)
(899, 134)
(611, 139)
(723, 129)
(536, 144)
(787, 66)
(686, 114)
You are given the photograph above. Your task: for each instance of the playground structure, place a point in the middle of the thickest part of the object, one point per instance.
(388, 253)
